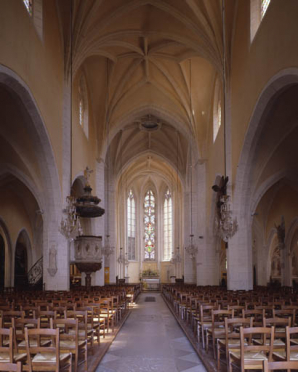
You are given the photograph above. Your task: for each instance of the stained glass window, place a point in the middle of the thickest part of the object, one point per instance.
(219, 114)
(83, 105)
(131, 226)
(149, 225)
(28, 5)
(168, 226)
(81, 111)
(217, 109)
(264, 7)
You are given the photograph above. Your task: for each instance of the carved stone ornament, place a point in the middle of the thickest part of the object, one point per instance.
(52, 269)
(88, 249)
(88, 255)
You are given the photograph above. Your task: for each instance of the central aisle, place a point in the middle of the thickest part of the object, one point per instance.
(151, 340)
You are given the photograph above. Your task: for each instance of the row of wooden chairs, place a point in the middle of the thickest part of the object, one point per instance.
(43, 351)
(206, 314)
(74, 338)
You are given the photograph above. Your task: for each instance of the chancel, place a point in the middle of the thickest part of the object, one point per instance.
(147, 145)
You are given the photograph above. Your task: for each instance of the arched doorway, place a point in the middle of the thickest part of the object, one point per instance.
(20, 266)
(2, 262)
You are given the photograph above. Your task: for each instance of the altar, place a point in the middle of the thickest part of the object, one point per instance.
(151, 284)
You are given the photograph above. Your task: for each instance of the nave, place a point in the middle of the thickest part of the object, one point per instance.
(151, 340)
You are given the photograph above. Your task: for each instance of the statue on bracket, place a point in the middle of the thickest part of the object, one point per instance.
(281, 232)
(52, 269)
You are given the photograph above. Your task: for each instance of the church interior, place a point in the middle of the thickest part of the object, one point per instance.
(160, 100)
(149, 144)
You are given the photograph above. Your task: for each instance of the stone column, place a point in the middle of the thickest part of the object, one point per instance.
(239, 255)
(53, 213)
(207, 266)
(99, 222)
(112, 226)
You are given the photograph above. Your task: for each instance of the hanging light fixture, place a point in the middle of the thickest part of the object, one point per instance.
(191, 249)
(225, 225)
(122, 259)
(176, 256)
(107, 249)
(70, 225)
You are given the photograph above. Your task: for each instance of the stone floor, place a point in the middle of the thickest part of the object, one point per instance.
(151, 340)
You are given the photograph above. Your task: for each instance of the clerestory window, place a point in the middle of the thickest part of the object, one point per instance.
(29, 6)
(168, 226)
(149, 226)
(131, 227)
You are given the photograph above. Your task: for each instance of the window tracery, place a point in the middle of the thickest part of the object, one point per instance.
(29, 6)
(264, 7)
(149, 225)
(131, 226)
(217, 110)
(258, 9)
(83, 106)
(168, 226)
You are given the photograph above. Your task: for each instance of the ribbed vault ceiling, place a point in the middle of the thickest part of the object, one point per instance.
(144, 55)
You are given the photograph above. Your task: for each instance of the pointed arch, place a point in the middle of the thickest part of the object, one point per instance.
(7, 265)
(150, 224)
(131, 225)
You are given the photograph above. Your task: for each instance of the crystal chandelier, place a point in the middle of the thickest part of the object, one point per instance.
(176, 257)
(226, 226)
(191, 249)
(123, 259)
(70, 225)
(107, 249)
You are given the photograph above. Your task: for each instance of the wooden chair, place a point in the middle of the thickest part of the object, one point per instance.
(45, 316)
(252, 356)
(285, 365)
(279, 325)
(286, 313)
(258, 316)
(18, 326)
(11, 367)
(7, 353)
(291, 352)
(268, 310)
(30, 311)
(108, 313)
(8, 315)
(205, 321)
(237, 310)
(98, 321)
(93, 324)
(84, 332)
(45, 358)
(69, 341)
(231, 342)
(217, 329)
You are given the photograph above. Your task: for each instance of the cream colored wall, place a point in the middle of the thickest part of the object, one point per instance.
(166, 271)
(215, 166)
(284, 204)
(39, 64)
(14, 214)
(274, 48)
(133, 272)
(83, 148)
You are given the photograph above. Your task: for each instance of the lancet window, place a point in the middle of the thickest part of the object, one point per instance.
(149, 225)
(131, 226)
(168, 226)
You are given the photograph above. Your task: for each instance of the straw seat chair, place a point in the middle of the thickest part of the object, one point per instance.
(251, 356)
(45, 358)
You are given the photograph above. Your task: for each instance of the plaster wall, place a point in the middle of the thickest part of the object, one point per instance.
(38, 62)
(253, 64)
